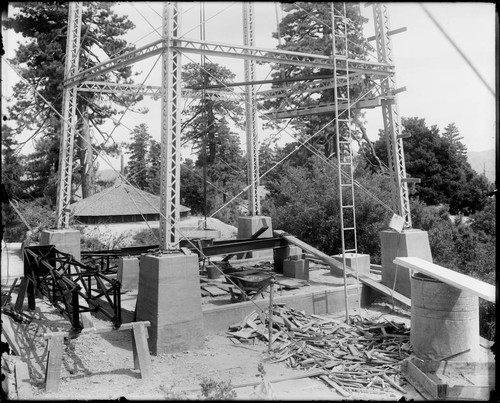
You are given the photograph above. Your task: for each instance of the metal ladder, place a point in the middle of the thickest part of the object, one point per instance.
(344, 140)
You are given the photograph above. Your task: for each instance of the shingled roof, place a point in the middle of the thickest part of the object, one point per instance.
(120, 199)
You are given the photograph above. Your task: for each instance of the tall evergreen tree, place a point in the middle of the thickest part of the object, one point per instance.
(40, 61)
(452, 135)
(138, 169)
(307, 28)
(154, 167)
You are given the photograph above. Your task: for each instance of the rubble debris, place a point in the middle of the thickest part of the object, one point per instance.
(365, 355)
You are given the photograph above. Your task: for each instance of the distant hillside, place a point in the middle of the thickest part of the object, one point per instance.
(483, 161)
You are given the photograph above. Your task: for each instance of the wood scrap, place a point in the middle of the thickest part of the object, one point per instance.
(367, 354)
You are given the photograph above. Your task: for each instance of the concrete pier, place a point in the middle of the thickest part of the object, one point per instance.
(169, 297)
(65, 240)
(249, 225)
(412, 242)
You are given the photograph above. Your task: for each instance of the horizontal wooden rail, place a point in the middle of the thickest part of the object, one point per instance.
(474, 286)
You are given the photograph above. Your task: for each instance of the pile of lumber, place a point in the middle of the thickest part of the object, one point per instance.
(363, 356)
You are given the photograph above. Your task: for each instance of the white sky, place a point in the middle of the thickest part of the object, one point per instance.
(441, 87)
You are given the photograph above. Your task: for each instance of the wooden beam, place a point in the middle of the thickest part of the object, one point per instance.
(385, 290)
(333, 263)
(477, 287)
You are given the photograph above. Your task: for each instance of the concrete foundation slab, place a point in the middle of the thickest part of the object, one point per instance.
(412, 242)
(128, 272)
(249, 225)
(65, 240)
(169, 297)
(359, 261)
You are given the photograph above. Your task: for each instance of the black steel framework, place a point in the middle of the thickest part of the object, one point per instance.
(67, 283)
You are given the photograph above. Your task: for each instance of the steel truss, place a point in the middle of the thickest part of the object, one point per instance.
(390, 113)
(171, 46)
(251, 113)
(67, 283)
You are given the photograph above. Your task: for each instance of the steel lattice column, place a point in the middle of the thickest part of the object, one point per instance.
(391, 118)
(251, 114)
(68, 126)
(170, 130)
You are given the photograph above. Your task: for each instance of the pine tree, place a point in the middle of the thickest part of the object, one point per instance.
(137, 172)
(40, 61)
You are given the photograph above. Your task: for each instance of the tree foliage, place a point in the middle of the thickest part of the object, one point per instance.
(441, 165)
(40, 62)
(307, 28)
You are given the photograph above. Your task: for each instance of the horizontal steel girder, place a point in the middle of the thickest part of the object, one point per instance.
(325, 108)
(234, 51)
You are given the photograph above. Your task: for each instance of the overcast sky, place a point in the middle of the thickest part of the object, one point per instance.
(441, 87)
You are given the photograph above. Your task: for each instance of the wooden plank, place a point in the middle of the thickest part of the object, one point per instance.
(23, 384)
(142, 349)
(54, 362)
(10, 334)
(104, 329)
(474, 286)
(333, 263)
(213, 290)
(385, 290)
(341, 391)
(436, 390)
(21, 294)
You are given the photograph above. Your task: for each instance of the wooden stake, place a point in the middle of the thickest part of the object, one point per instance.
(142, 349)
(270, 321)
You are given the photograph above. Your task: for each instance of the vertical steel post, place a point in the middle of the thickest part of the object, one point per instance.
(390, 114)
(251, 113)
(170, 130)
(68, 125)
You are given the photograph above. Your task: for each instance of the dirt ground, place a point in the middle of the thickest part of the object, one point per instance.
(101, 366)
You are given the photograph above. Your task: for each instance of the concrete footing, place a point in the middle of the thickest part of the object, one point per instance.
(280, 254)
(169, 297)
(65, 240)
(249, 225)
(412, 242)
(296, 268)
(128, 272)
(359, 262)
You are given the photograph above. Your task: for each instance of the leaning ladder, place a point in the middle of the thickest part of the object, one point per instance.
(343, 141)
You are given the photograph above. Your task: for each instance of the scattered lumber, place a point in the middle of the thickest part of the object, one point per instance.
(365, 355)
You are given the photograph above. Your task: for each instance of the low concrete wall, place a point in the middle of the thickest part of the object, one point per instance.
(219, 318)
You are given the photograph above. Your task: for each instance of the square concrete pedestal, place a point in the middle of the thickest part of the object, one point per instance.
(128, 272)
(169, 297)
(296, 268)
(249, 225)
(286, 252)
(359, 262)
(65, 240)
(412, 242)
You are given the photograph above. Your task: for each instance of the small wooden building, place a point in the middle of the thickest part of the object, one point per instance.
(120, 203)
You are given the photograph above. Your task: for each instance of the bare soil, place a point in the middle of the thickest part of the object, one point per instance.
(101, 366)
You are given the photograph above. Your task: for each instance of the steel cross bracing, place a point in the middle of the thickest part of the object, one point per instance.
(390, 115)
(68, 125)
(153, 91)
(171, 131)
(251, 114)
(184, 45)
(344, 141)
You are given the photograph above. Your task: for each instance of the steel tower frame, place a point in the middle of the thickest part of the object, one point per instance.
(170, 47)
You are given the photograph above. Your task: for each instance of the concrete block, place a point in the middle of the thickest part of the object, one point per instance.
(296, 268)
(359, 261)
(128, 272)
(249, 225)
(65, 240)
(169, 297)
(280, 254)
(412, 242)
